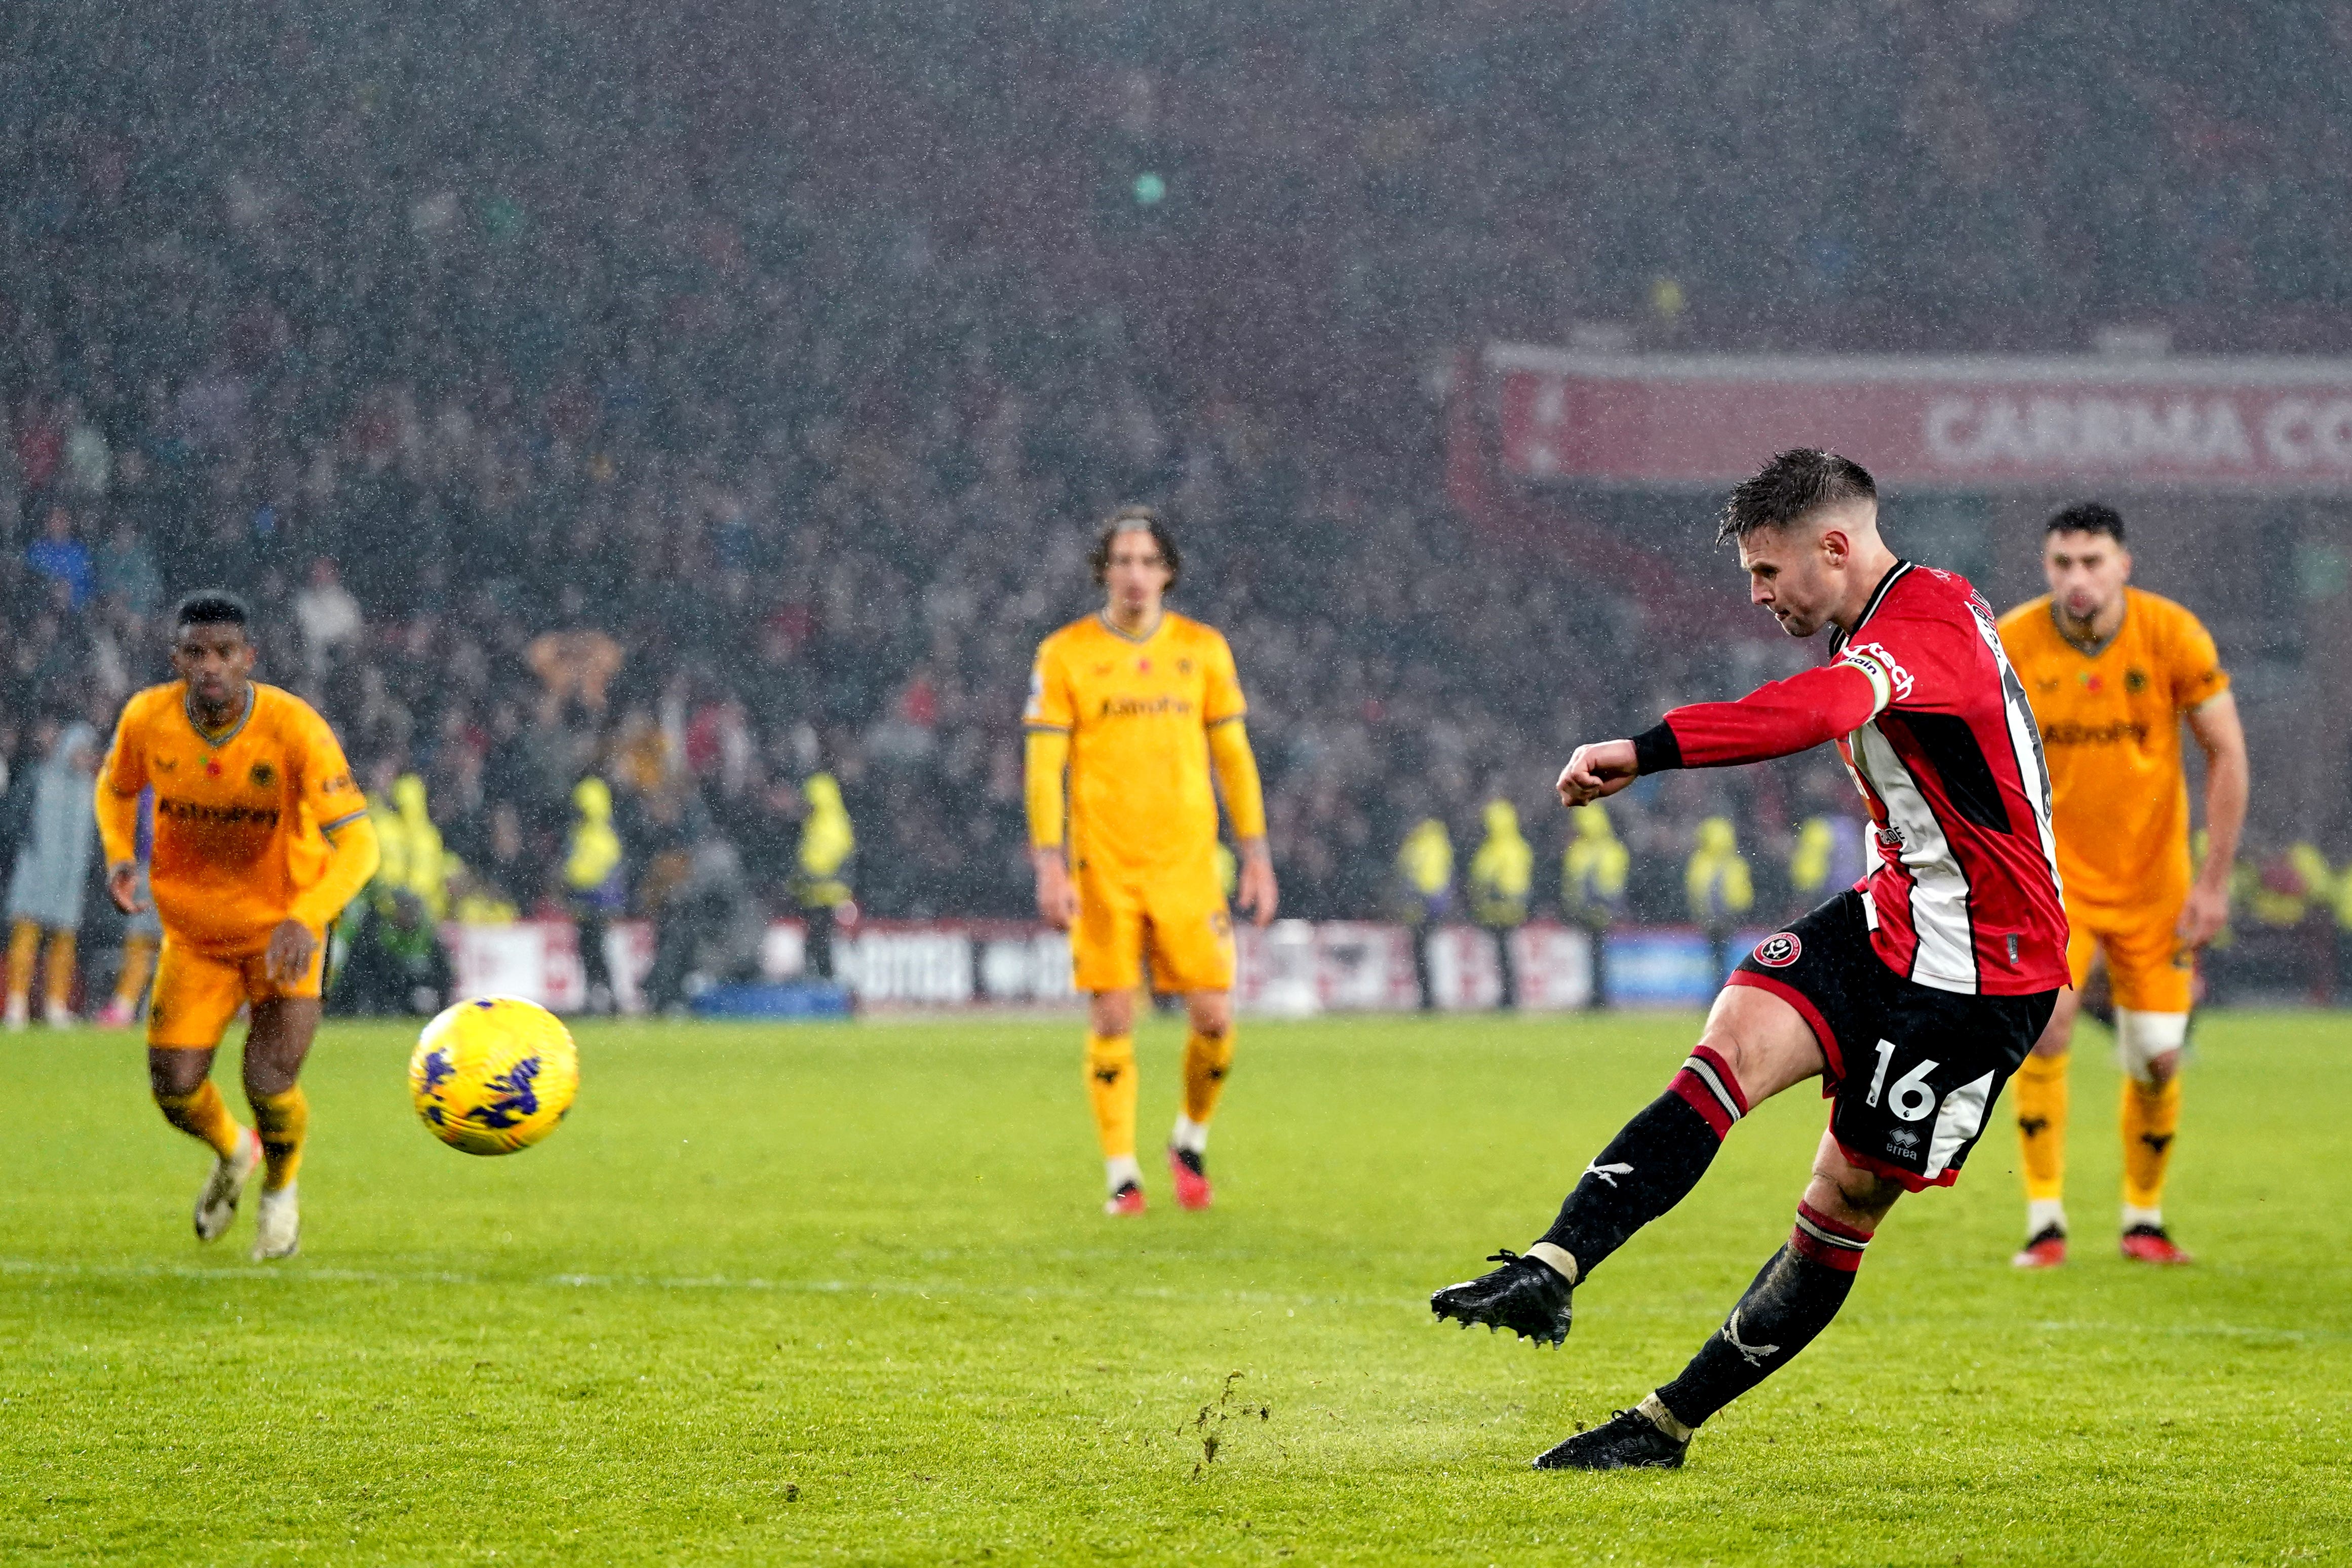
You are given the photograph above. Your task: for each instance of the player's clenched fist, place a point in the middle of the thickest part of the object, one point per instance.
(1598, 770)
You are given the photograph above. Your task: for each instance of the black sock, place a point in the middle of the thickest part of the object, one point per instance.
(1792, 1300)
(1652, 1163)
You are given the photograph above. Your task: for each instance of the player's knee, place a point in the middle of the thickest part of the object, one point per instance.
(1762, 1039)
(1112, 1013)
(1850, 1195)
(2147, 1044)
(1212, 1015)
(175, 1075)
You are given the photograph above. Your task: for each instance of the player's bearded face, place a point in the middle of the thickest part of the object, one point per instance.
(2086, 572)
(214, 660)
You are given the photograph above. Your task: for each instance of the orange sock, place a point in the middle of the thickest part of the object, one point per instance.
(24, 952)
(1110, 1086)
(2040, 1085)
(1207, 1059)
(2151, 1116)
(58, 971)
(203, 1115)
(138, 964)
(283, 1120)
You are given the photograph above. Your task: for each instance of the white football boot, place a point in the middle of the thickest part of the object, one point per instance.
(276, 1226)
(216, 1205)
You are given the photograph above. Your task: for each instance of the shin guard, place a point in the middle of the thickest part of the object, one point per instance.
(284, 1122)
(1791, 1301)
(1652, 1165)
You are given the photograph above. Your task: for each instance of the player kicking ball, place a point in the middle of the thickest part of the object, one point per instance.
(1911, 997)
(260, 839)
(1136, 704)
(2112, 672)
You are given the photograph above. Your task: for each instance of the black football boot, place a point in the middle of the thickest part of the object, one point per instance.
(1526, 1295)
(1628, 1440)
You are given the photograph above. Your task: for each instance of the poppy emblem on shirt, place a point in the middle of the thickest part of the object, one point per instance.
(1780, 949)
(2093, 683)
(1143, 667)
(212, 767)
(263, 776)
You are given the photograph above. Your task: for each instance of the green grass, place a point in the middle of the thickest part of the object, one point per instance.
(842, 1293)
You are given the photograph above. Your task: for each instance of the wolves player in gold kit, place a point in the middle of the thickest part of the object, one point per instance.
(2113, 672)
(1136, 704)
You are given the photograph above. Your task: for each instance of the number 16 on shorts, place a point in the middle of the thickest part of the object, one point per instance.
(1913, 1119)
(1912, 1099)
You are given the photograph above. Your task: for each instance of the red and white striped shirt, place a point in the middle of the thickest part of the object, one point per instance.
(1934, 726)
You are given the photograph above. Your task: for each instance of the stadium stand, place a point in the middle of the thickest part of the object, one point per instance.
(716, 421)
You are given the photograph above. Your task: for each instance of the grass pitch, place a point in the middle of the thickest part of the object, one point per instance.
(842, 1293)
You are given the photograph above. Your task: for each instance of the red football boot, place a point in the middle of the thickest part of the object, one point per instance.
(2148, 1244)
(1191, 1178)
(1129, 1199)
(2046, 1251)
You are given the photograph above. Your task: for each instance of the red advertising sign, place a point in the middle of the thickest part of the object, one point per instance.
(1972, 421)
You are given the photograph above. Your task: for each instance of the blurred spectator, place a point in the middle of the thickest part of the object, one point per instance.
(595, 883)
(126, 574)
(329, 617)
(1424, 872)
(394, 962)
(1593, 886)
(52, 868)
(1719, 885)
(575, 659)
(828, 843)
(62, 557)
(1502, 876)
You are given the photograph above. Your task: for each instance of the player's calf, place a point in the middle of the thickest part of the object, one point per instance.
(1790, 1301)
(1645, 1170)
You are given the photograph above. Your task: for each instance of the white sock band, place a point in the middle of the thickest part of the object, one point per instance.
(1121, 1170)
(1562, 1261)
(2041, 1213)
(1189, 1135)
(2141, 1037)
(1662, 1418)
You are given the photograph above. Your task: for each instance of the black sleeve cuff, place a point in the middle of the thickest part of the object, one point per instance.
(1655, 749)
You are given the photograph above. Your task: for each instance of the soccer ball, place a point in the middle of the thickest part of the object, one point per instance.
(493, 1075)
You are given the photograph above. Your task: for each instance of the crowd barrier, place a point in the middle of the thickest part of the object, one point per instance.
(1292, 968)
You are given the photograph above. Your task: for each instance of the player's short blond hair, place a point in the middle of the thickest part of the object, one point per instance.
(1135, 518)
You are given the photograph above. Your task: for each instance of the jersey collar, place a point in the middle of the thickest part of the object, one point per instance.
(2092, 650)
(1104, 618)
(1877, 597)
(188, 709)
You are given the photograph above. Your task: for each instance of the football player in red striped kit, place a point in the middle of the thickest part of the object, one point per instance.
(1911, 997)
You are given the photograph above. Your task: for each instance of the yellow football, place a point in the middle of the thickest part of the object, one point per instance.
(494, 1075)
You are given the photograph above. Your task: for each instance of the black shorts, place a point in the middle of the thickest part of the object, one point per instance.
(1913, 1071)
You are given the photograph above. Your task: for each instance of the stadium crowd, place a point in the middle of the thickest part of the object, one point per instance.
(571, 417)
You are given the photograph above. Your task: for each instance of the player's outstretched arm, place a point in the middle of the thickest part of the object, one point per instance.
(1598, 770)
(2228, 780)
